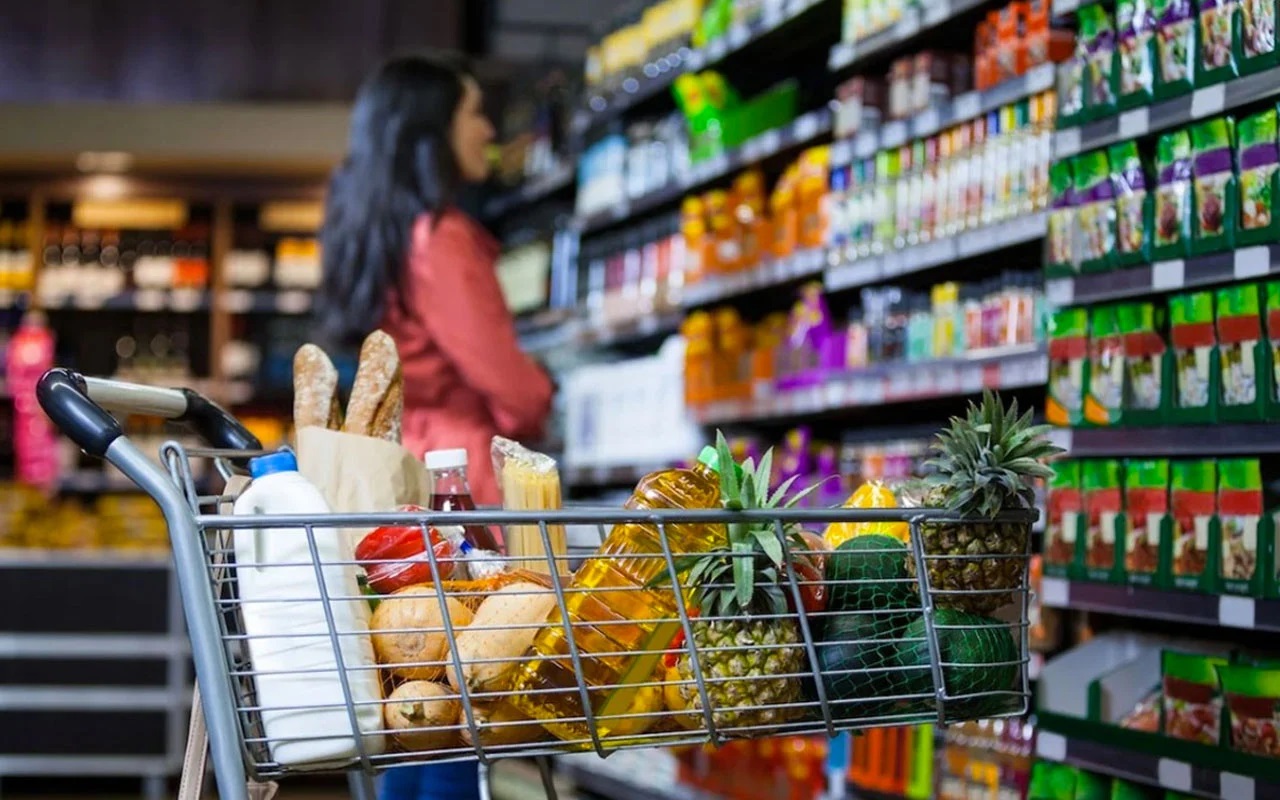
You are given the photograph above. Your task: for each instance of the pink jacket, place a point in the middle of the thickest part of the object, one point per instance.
(465, 377)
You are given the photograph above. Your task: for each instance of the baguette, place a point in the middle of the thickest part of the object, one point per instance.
(315, 390)
(377, 398)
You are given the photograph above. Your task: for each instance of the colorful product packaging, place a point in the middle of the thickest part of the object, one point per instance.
(1251, 695)
(1068, 366)
(1213, 168)
(1091, 786)
(1245, 534)
(1104, 393)
(1255, 44)
(1133, 205)
(1217, 41)
(1095, 211)
(1173, 196)
(1148, 531)
(1195, 358)
(1128, 790)
(1064, 518)
(1272, 299)
(1103, 484)
(1243, 358)
(1175, 47)
(1071, 87)
(1136, 53)
(1062, 221)
(1148, 366)
(1193, 502)
(1191, 709)
(1099, 39)
(1258, 158)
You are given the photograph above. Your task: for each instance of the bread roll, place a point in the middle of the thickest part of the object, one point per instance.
(377, 398)
(315, 390)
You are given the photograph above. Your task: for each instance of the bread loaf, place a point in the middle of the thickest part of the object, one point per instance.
(377, 398)
(315, 390)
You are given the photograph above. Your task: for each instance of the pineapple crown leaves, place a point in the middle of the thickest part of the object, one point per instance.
(986, 461)
(744, 576)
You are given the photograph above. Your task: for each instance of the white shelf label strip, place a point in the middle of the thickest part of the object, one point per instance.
(1174, 775)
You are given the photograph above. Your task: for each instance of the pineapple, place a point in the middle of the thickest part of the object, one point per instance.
(750, 651)
(984, 464)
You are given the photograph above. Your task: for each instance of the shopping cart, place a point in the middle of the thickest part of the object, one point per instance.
(874, 641)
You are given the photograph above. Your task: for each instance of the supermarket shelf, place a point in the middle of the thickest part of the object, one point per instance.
(1001, 369)
(967, 106)
(1204, 102)
(91, 645)
(803, 130)
(11, 299)
(585, 477)
(776, 272)
(1166, 276)
(531, 191)
(637, 330)
(1150, 768)
(849, 274)
(104, 558)
(250, 301)
(91, 698)
(174, 300)
(1134, 601)
(90, 766)
(913, 22)
(659, 74)
(1172, 441)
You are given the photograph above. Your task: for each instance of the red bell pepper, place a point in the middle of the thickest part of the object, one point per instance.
(394, 556)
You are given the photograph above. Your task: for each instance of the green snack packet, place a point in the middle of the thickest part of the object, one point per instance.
(1192, 334)
(1103, 482)
(1090, 786)
(1217, 53)
(1068, 366)
(1240, 501)
(1050, 781)
(1135, 45)
(1239, 330)
(1256, 43)
(1129, 182)
(1104, 398)
(1191, 708)
(1096, 211)
(1273, 333)
(1173, 195)
(1128, 790)
(1062, 220)
(1175, 46)
(1099, 39)
(1192, 501)
(1146, 504)
(1213, 145)
(1064, 505)
(1144, 351)
(1259, 157)
(1251, 695)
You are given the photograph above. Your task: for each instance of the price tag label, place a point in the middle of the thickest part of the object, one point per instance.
(1051, 746)
(695, 60)
(966, 106)
(1066, 143)
(927, 123)
(1237, 787)
(937, 12)
(856, 273)
(894, 263)
(294, 302)
(1135, 123)
(770, 142)
(716, 49)
(772, 16)
(149, 300)
(866, 144)
(1055, 592)
(841, 153)
(842, 55)
(739, 35)
(186, 300)
(1251, 262)
(807, 126)
(1063, 7)
(1167, 275)
(1175, 775)
(1060, 291)
(1208, 101)
(1236, 612)
(893, 134)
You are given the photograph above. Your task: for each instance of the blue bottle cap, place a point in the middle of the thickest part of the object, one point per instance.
(284, 461)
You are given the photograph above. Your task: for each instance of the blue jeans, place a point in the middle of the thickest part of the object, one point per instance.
(454, 781)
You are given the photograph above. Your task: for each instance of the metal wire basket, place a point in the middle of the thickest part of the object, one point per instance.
(933, 628)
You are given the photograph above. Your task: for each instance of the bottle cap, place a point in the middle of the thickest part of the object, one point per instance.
(284, 461)
(709, 457)
(446, 459)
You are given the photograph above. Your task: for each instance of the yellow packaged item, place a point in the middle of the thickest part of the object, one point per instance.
(873, 494)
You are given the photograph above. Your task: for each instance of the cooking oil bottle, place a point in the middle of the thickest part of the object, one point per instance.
(620, 624)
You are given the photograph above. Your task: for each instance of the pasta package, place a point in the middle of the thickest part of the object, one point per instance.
(530, 481)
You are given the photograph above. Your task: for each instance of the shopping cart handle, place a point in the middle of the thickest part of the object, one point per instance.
(75, 404)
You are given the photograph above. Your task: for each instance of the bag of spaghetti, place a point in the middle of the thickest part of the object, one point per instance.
(530, 481)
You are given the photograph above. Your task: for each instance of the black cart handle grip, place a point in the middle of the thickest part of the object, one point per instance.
(76, 406)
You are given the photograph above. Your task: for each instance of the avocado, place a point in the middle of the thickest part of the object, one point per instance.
(868, 573)
(980, 655)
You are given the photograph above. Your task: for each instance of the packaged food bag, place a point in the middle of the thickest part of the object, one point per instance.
(1251, 694)
(1071, 87)
(1173, 202)
(1217, 42)
(1213, 167)
(1147, 382)
(1259, 155)
(1192, 706)
(1146, 504)
(1136, 49)
(1195, 358)
(1192, 485)
(1062, 221)
(1243, 371)
(1272, 293)
(1068, 366)
(1133, 205)
(530, 481)
(1240, 521)
(1099, 38)
(1175, 47)
(1104, 395)
(1096, 211)
(1255, 43)
(1064, 512)
(1103, 482)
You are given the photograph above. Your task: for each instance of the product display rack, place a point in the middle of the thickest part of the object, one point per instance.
(915, 20)
(1259, 261)
(1231, 611)
(1208, 441)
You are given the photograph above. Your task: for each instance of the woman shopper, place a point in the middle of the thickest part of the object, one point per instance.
(398, 254)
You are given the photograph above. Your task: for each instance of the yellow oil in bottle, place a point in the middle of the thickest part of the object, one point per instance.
(620, 627)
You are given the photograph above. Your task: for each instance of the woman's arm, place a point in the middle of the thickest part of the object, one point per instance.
(457, 297)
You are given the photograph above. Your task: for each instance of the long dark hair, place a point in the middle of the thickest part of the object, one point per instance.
(400, 163)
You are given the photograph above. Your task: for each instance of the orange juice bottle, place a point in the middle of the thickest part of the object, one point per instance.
(748, 192)
(699, 357)
(613, 587)
(693, 225)
(724, 232)
(811, 188)
(785, 225)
